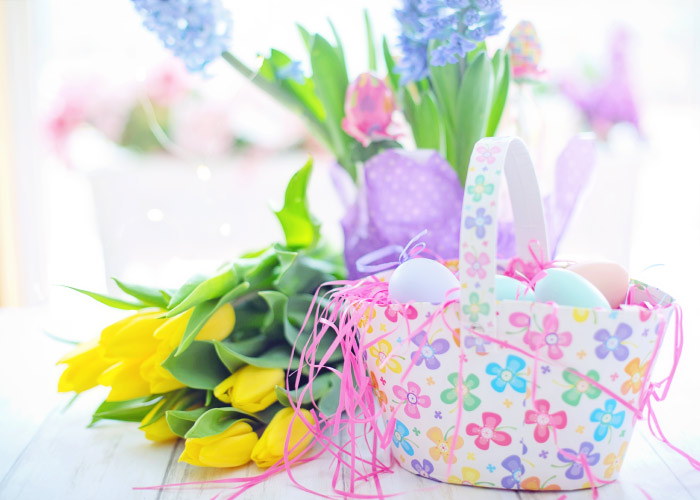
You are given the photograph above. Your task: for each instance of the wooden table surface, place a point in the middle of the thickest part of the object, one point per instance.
(46, 452)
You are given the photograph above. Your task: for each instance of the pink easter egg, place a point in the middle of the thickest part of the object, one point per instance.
(610, 278)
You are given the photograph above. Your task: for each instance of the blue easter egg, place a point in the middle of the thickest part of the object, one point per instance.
(421, 280)
(508, 288)
(567, 288)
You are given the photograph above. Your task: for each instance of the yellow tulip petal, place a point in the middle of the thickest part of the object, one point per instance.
(172, 330)
(254, 388)
(125, 380)
(221, 391)
(135, 338)
(159, 430)
(220, 325)
(229, 452)
(284, 425)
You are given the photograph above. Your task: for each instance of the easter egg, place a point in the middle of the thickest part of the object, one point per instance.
(610, 278)
(567, 288)
(508, 288)
(525, 50)
(421, 280)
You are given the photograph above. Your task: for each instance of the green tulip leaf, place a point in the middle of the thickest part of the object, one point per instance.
(390, 64)
(303, 273)
(133, 410)
(174, 400)
(234, 354)
(151, 296)
(371, 46)
(203, 313)
(501, 72)
(301, 230)
(297, 309)
(473, 108)
(222, 282)
(305, 36)
(320, 386)
(338, 47)
(198, 367)
(330, 402)
(426, 126)
(330, 84)
(231, 355)
(181, 421)
(217, 420)
(110, 301)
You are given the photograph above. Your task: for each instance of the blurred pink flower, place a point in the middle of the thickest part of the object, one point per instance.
(66, 113)
(168, 82)
(203, 127)
(369, 105)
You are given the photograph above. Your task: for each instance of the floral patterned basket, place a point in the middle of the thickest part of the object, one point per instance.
(512, 394)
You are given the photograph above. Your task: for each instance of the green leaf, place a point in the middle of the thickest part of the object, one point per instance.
(110, 301)
(305, 36)
(198, 367)
(320, 386)
(338, 47)
(361, 154)
(330, 402)
(445, 83)
(371, 47)
(174, 400)
(275, 357)
(277, 313)
(426, 126)
(217, 420)
(297, 308)
(279, 91)
(235, 355)
(473, 107)
(303, 273)
(151, 296)
(390, 64)
(301, 230)
(203, 313)
(330, 83)
(214, 287)
(133, 410)
(181, 421)
(501, 71)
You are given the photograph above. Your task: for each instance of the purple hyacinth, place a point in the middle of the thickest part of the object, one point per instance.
(453, 26)
(428, 351)
(196, 31)
(569, 456)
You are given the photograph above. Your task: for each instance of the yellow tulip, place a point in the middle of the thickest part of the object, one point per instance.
(132, 337)
(231, 448)
(159, 430)
(250, 388)
(85, 365)
(129, 353)
(125, 381)
(218, 327)
(159, 379)
(270, 448)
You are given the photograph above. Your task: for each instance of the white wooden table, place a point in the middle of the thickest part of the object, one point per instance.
(48, 453)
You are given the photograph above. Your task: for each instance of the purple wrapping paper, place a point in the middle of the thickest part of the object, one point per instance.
(401, 193)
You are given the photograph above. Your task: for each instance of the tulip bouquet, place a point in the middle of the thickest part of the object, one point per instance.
(209, 361)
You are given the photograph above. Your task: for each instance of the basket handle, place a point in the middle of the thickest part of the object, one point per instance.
(479, 230)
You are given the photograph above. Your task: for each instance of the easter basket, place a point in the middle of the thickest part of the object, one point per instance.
(511, 394)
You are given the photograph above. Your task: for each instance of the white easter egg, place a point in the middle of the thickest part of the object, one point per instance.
(567, 288)
(508, 288)
(421, 280)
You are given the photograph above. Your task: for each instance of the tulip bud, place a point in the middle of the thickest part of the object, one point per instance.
(159, 430)
(270, 448)
(85, 365)
(369, 105)
(231, 448)
(250, 388)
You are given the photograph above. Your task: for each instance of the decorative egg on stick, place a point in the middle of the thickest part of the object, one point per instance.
(421, 280)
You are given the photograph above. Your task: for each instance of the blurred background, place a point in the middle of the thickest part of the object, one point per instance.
(114, 161)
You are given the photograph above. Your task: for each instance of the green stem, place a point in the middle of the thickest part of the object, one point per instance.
(273, 89)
